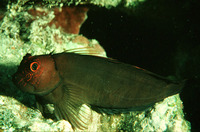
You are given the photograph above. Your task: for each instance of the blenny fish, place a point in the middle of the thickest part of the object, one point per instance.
(69, 80)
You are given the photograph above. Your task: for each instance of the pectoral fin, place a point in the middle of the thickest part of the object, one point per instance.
(72, 109)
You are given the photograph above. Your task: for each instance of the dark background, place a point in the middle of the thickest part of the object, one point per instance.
(162, 36)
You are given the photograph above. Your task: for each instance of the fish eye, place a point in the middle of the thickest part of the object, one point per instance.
(34, 66)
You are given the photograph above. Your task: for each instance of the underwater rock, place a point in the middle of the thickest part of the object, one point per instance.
(22, 33)
(69, 19)
(101, 3)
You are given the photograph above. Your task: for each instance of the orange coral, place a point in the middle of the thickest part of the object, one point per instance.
(69, 18)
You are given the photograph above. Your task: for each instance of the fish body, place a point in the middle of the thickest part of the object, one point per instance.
(69, 80)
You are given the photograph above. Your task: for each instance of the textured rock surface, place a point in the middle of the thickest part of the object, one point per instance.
(21, 32)
(104, 3)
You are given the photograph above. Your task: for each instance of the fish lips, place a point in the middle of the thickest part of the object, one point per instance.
(24, 86)
(19, 81)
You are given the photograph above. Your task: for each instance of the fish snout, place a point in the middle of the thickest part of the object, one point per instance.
(21, 84)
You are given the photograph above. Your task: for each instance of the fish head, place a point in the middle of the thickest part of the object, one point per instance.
(37, 74)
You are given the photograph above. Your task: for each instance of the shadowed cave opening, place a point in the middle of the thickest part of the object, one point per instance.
(162, 37)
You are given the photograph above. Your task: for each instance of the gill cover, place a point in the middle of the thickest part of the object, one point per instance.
(37, 74)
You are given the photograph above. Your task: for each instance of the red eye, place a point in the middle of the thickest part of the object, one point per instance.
(34, 66)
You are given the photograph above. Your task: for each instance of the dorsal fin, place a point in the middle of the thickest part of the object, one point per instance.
(84, 51)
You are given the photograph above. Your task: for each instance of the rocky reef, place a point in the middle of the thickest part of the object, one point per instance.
(52, 27)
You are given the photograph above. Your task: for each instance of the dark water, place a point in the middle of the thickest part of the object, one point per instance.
(161, 36)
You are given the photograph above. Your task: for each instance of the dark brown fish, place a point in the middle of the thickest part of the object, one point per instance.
(69, 80)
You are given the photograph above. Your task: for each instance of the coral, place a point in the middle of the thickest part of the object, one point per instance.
(27, 29)
(70, 18)
(103, 3)
(67, 18)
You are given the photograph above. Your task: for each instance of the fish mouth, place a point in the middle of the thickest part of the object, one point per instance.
(21, 84)
(24, 86)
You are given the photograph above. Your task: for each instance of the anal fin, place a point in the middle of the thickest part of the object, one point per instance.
(111, 111)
